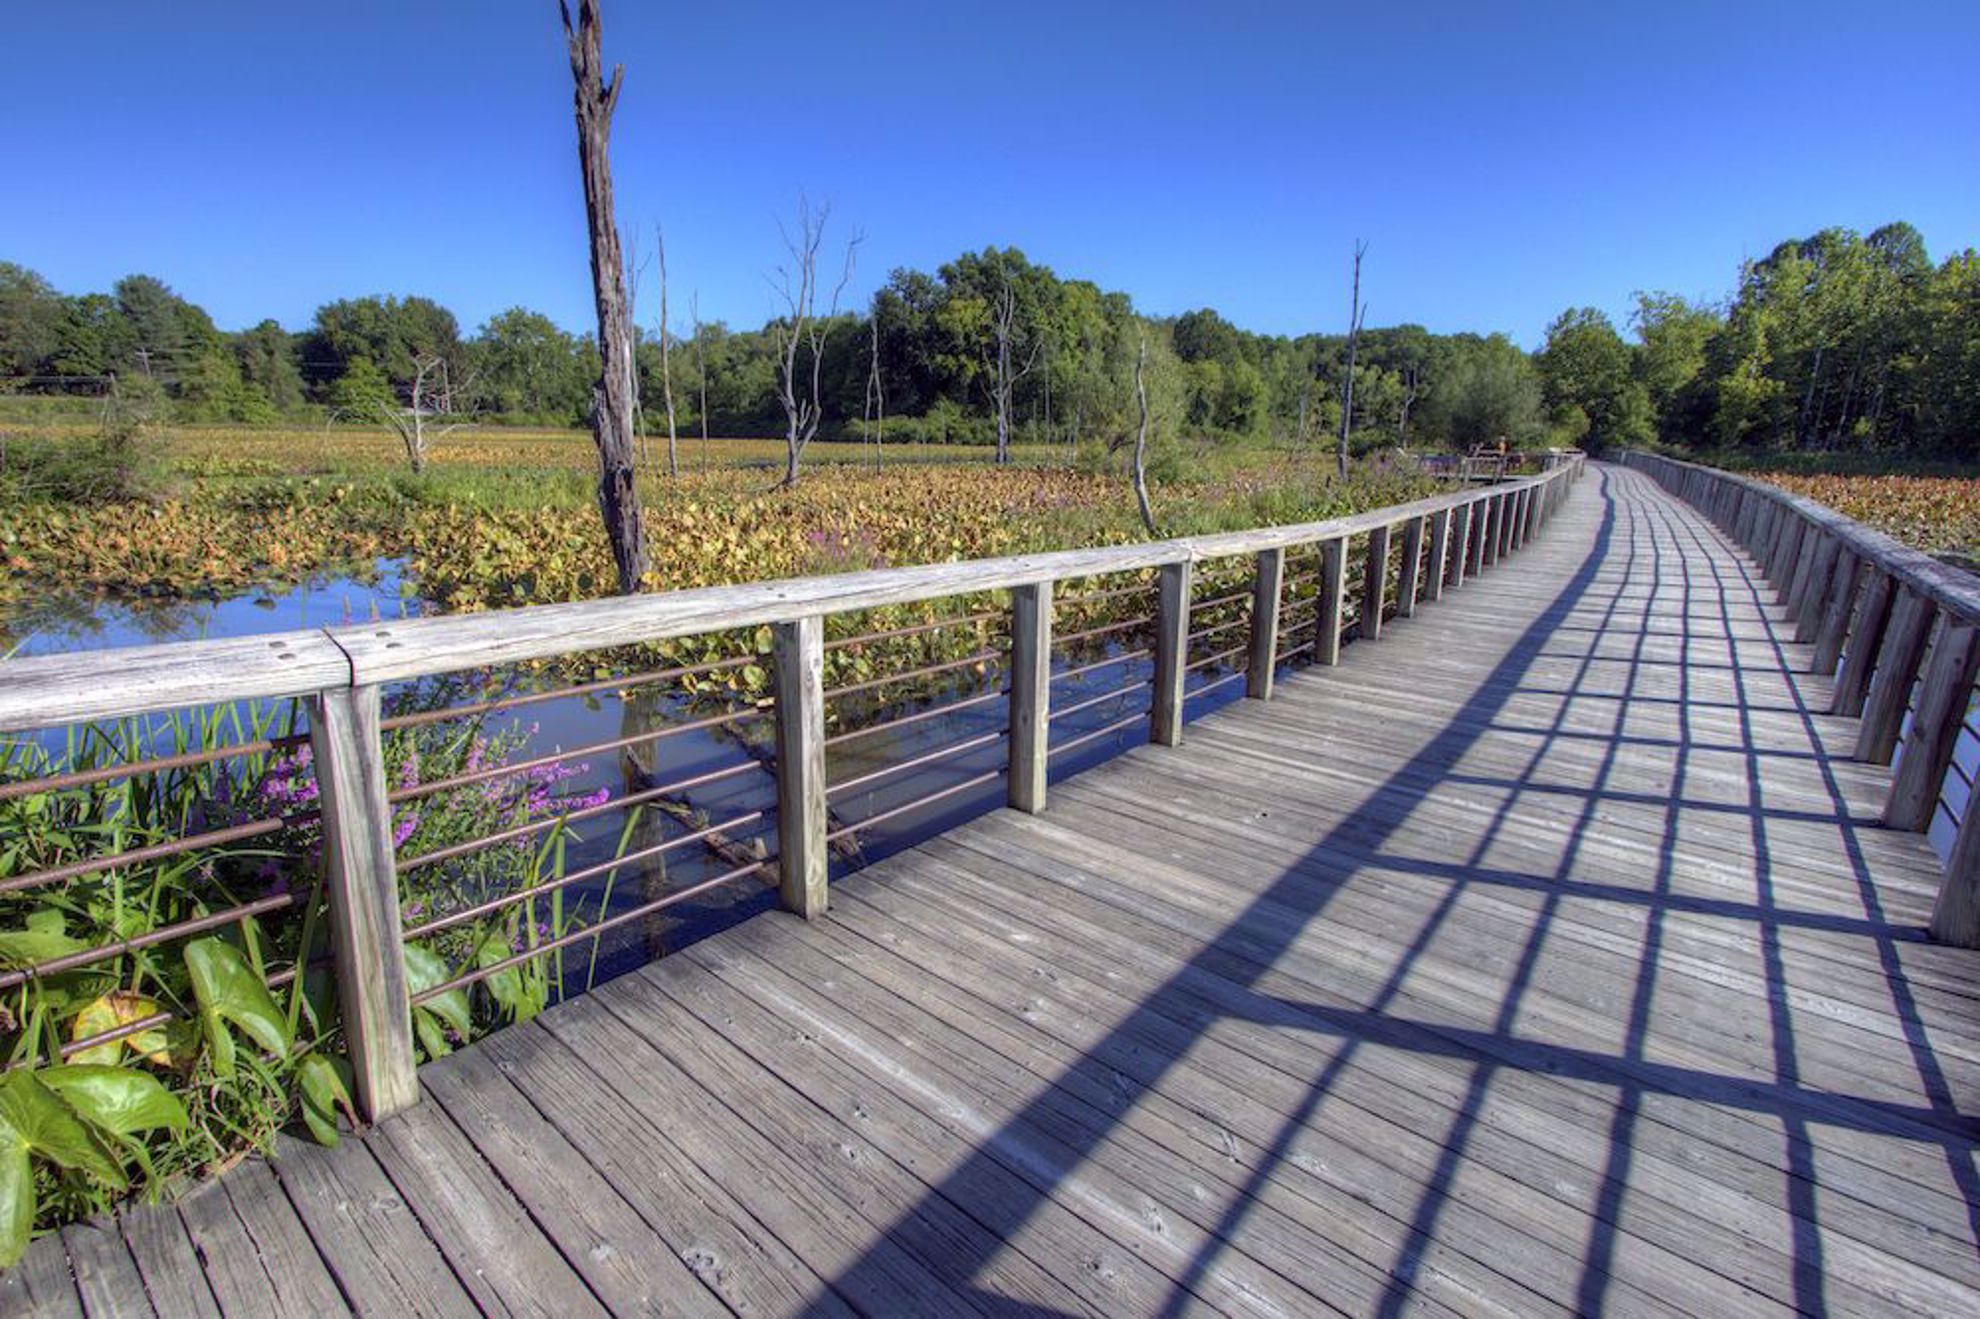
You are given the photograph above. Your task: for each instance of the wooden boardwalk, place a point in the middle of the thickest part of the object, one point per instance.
(1543, 957)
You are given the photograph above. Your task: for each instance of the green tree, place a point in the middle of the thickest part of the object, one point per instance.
(31, 315)
(1586, 372)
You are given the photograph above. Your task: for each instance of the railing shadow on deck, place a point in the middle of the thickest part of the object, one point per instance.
(1260, 936)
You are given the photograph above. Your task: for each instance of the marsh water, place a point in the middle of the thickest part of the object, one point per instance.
(53, 624)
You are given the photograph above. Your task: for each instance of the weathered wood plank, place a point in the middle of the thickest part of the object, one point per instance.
(1267, 589)
(1944, 694)
(1171, 654)
(1031, 694)
(365, 925)
(1374, 584)
(803, 856)
(376, 1249)
(1332, 602)
(1898, 659)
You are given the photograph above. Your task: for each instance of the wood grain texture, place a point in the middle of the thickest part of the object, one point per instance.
(1944, 694)
(1845, 586)
(1031, 694)
(1267, 589)
(803, 857)
(1956, 909)
(362, 875)
(1407, 581)
(1172, 606)
(1375, 584)
(1332, 609)
(1864, 641)
(1903, 650)
(1438, 566)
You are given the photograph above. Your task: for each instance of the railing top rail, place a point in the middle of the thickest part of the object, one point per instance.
(51, 690)
(1954, 590)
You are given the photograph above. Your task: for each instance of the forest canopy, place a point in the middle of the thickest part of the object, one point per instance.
(1837, 341)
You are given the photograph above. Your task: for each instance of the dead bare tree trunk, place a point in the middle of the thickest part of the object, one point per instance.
(1141, 440)
(1355, 313)
(801, 329)
(666, 362)
(876, 395)
(1003, 378)
(701, 369)
(612, 398)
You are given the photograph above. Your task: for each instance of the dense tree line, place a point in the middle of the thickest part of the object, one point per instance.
(1834, 341)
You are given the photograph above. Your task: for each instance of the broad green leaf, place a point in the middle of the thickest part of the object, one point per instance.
(512, 991)
(16, 1197)
(48, 1128)
(432, 1036)
(426, 969)
(326, 1087)
(118, 1099)
(42, 940)
(229, 991)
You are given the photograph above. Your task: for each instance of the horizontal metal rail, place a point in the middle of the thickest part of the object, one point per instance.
(343, 671)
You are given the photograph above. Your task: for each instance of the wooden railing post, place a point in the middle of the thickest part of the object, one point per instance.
(1833, 629)
(1864, 640)
(1789, 559)
(1375, 584)
(1956, 912)
(1890, 685)
(1811, 575)
(1332, 602)
(1508, 522)
(1462, 535)
(803, 859)
(1412, 568)
(1536, 503)
(1935, 726)
(1171, 654)
(1266, 587)
(1440, 554)
(1481, 534)
(372, 991)
(1031, 693)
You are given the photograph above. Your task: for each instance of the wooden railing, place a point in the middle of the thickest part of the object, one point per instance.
(340, 674)
(1897, 629)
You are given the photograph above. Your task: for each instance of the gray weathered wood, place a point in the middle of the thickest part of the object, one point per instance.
(1031, 693)
(1412, 567)
(47, 691)
(1440, 552)
(1267, 589)
(365, 923)
(1481, 536)
(803, 857)
(1952, 589)
(1815, 591)
(1375, 584)
(1463, 531)
(1171, 653)
(1897, 668)
(1956, 910)
(1331, 601)
(1865, 639)
(1844, 583)
(1943, 698)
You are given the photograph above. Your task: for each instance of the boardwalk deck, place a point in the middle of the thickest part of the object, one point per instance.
(1543, 957)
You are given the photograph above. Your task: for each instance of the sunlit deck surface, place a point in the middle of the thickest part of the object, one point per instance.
(1543, 957)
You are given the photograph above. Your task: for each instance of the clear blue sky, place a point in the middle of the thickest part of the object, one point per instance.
(265, 158)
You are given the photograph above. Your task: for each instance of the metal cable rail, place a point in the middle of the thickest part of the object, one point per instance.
(342, 672)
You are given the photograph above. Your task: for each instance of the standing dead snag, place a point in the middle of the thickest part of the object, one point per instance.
(666, 362)
(802, 330)
(612, 398)
(1355, 312)
(1004, 377)
(1141, 440)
